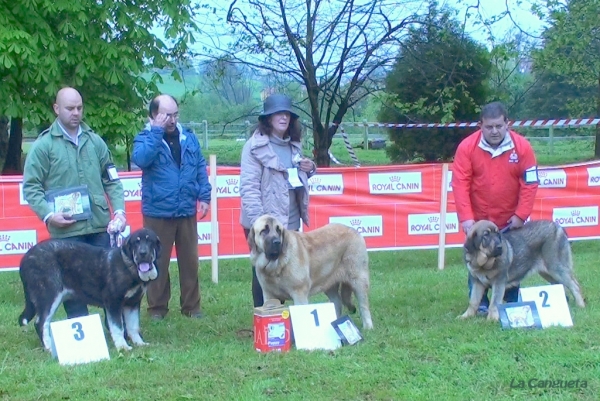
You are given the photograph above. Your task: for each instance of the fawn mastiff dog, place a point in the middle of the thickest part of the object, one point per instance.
(292, 265)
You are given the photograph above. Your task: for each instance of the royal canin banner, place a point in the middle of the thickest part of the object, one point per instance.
(393, 207)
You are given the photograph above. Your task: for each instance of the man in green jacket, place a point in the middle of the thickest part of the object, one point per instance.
(68, 171)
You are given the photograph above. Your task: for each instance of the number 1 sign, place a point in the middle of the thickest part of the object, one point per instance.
(78, 340)
(551, 304)
(311, 325)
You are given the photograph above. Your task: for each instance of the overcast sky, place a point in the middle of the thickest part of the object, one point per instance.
(520, 11)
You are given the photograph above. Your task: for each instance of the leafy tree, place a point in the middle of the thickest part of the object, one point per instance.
(571, 50)
(554, 96)
(439, 76)
(99, 47)
(332, 48)
(511, 79)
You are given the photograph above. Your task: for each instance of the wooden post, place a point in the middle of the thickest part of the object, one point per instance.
(205, 134)
(248, 128)
(366, 140)
(443, 208)
(214, 224)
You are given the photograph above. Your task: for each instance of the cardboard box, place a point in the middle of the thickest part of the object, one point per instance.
(272, 327)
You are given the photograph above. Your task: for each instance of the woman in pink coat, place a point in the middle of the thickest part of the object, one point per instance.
(274, 173)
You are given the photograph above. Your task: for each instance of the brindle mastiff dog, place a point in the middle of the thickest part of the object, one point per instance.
(501, 260)
(112, 278)
(291, 265)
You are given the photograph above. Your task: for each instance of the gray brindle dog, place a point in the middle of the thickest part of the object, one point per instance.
(111, 278)
(501, 260)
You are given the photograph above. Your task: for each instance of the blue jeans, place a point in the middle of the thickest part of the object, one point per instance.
(74, 307)
(510, 295)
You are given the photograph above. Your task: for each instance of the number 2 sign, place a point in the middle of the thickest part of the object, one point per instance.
(312, 327)
(551, 304)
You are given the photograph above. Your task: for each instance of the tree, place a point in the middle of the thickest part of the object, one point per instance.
(332, 48)
(511, 78)
(554, 96)
(439, 76)
(101, 48)
(232, 82)
(571, 49)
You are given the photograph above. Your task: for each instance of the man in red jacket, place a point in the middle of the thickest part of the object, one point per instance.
(494, 177)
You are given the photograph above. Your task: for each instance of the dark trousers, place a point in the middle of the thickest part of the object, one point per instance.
(182, 231)
(510, 295)
(74, 307)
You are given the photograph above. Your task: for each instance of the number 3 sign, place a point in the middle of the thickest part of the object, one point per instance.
(311, 325)
(78, 340)
(551, 304)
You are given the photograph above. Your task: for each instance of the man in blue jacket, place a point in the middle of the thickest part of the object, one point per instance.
(175, 189)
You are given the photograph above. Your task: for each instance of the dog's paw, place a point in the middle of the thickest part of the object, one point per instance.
(141, 343)
(124, 347)
(465, 315)
(493, 316)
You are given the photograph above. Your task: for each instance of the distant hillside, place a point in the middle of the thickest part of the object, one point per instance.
(176, 88)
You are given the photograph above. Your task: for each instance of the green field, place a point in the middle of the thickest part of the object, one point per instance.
(417, 351)
(228, 152)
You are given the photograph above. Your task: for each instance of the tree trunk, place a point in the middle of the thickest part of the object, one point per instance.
(322, 145)
(3, 140)
(13, 164)
(127, 148)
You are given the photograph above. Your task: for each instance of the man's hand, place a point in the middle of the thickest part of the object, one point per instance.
(306, 165)
(160, 120)
(117, 224)
(466, 225)
(202, 210)
(60, 220)
(515, 222)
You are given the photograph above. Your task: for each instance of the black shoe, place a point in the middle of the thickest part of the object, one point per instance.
(195, 315)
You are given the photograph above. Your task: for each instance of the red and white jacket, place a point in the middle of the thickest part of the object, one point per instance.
(490, 183)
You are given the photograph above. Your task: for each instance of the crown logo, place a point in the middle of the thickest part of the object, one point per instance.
(315, 180)
(395, 178)
(140, 185)
(433, 219)
(4, 238)
(575, 213)
(232, 181)
(355, 222)
(543, 173)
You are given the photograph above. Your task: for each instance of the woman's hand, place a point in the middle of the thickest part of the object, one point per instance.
(306, 165)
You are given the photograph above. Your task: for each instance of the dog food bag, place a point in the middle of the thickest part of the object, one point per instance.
(272, 327)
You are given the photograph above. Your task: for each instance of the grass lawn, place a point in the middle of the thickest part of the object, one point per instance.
(417, 351)
(229, 151)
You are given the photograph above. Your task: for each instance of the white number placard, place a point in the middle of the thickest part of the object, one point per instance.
(551, 304)
(312, 327)
(78, 340)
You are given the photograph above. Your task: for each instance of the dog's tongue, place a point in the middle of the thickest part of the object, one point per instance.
(144, 267)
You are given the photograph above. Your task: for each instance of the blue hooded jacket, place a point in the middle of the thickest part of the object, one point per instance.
(169, 191)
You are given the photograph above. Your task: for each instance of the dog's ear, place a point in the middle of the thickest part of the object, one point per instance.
(126, 247)
(251, 240)
(471, 244)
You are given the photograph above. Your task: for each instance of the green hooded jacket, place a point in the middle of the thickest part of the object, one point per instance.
(54, 162)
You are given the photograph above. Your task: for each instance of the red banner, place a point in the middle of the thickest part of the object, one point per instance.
(393, 207)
